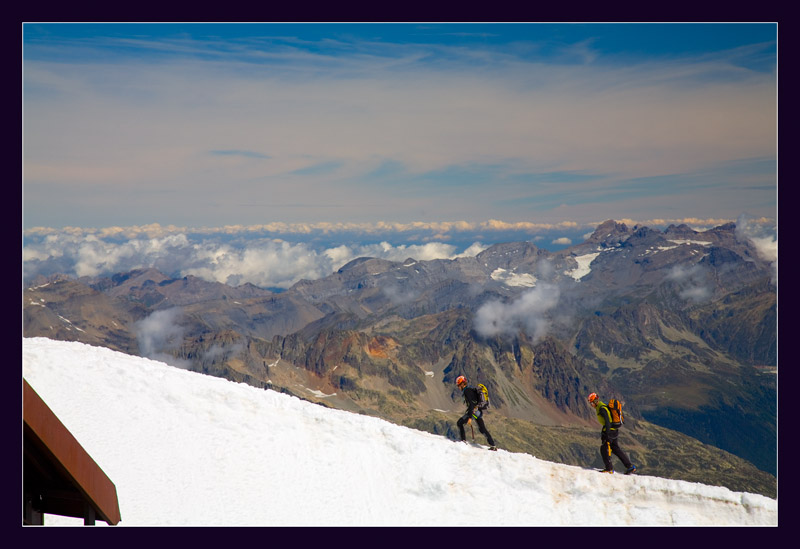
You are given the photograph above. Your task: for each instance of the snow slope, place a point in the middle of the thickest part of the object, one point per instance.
(183, 448)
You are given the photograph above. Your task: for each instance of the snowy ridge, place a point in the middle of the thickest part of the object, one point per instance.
(183, 448)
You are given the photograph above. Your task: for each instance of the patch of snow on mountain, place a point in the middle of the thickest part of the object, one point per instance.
(510, 278)
(583, 268)
(701, 242)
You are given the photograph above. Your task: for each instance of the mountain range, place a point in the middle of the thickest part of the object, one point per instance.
(681, 325)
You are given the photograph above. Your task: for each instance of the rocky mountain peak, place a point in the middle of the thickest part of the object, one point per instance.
(610, 233)
(680, 231)
(644, 236)
(363, 265)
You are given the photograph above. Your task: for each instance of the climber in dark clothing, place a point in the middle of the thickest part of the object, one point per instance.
(474, 411)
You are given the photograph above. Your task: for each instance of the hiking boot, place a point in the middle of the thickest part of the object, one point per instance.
(609, 471)
(630, 470)
(493, 448)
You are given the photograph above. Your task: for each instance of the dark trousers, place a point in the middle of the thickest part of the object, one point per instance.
(610, 446)
(481, 426)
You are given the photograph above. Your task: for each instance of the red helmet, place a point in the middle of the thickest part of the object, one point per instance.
(461, 380)
(592, 397)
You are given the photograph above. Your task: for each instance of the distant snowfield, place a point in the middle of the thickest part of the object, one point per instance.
(183, 448)
(513, 279)
(583, 267)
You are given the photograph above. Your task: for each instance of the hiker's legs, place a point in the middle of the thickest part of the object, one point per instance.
(485, 431)
(617, 451)
(605, 453)
(461, 421)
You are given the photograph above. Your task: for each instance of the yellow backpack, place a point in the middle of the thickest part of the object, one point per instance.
(615, 411)
(483, 395)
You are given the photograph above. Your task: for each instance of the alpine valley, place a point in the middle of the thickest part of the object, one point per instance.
(680, 325)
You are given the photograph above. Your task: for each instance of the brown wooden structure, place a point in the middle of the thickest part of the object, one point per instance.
(59, 477)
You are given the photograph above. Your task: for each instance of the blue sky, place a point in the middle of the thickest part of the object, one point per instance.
(306, 145)
(217, 124)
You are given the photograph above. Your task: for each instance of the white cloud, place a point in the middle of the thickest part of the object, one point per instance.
(473, 250)
(161, 332)
(264, 262)
(527, 313)
(763, 237)
(272, 263)
(693, 282)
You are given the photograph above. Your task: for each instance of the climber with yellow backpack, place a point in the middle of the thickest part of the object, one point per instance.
(610, 417)
(477, 401)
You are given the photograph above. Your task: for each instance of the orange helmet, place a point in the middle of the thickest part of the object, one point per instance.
(461, 380)
(592, 397)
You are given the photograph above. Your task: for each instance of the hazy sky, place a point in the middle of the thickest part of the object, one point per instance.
(206, 125)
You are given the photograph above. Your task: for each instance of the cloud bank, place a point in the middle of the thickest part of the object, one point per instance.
(264, 262)
(278, 255)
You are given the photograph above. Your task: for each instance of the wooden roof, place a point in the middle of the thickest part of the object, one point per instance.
(59, 476)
